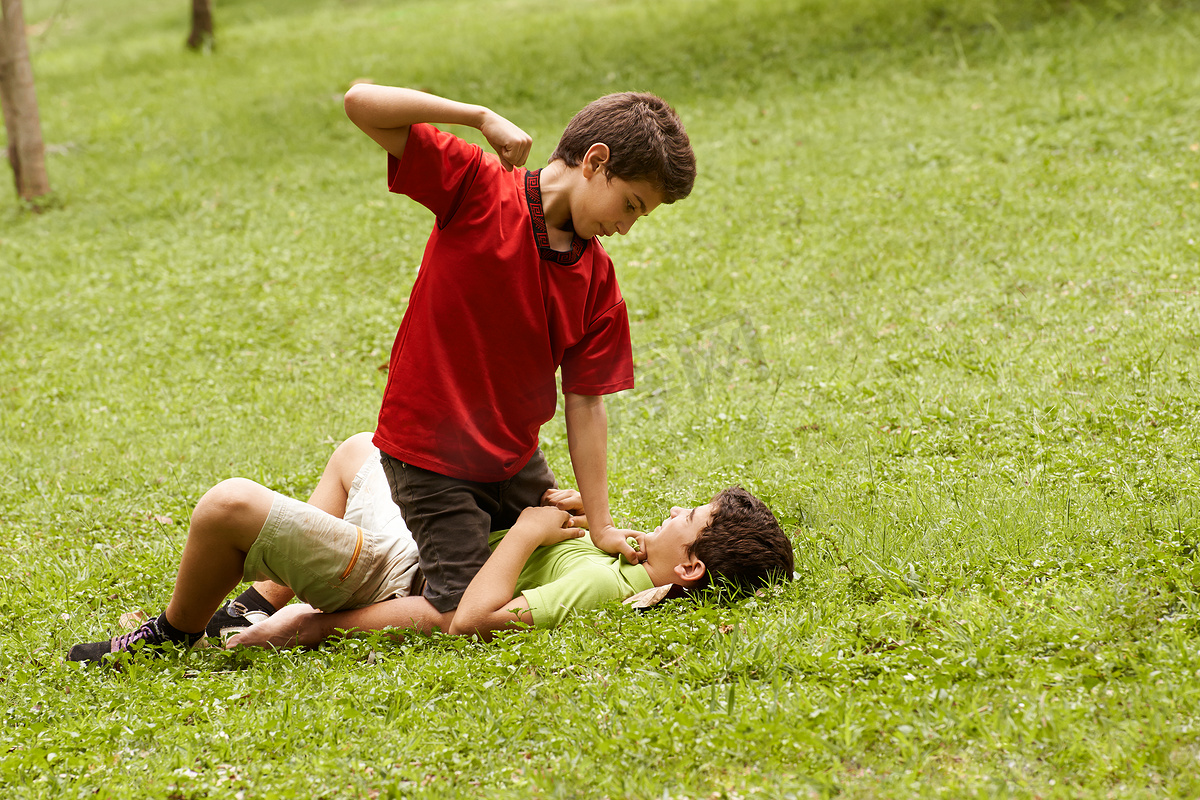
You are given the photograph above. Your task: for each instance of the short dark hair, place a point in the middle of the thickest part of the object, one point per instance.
(645, 138)
(742, 547)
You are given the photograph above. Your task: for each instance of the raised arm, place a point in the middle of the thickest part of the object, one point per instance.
(385, 113)
(488, 604)
(587, 439)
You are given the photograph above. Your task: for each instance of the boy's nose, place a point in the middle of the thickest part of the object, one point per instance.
(676, 511)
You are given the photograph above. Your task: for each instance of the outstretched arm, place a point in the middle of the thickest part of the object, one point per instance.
(385, 113)
(304, 625)
(488, 604)
(587, 439)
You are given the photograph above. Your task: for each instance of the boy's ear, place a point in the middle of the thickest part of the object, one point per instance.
(690, 572)
(595, 157)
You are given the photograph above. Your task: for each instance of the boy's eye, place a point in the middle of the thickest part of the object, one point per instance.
(628, 206)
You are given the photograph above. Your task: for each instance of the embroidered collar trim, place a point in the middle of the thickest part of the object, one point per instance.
(533, 196)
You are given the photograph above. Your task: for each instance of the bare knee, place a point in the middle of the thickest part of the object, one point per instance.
(338, 476)
(350, 455)
(359, 442)
(235, 504)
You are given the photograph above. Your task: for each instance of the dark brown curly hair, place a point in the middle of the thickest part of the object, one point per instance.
(742, 547)
(645, 138)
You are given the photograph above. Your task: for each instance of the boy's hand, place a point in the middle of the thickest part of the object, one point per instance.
(616, 541)
(510, 142)
(546, 525)
(567, 500)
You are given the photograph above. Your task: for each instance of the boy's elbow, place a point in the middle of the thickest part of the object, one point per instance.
(468, 626)
(462, 624)
(354, 99)
(587, 402)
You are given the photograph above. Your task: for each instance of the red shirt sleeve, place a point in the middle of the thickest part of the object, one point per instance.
(601, 362)
(438, 169)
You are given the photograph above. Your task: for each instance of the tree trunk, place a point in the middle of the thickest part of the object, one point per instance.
(18, 102)
(202, 25)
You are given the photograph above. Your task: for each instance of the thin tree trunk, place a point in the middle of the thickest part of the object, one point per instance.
(18, 101)
(6, 107)
(202, 25)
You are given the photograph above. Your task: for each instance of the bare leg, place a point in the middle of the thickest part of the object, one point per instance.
(224, 525)
(306, 626)
(276, 594)
(329, 496)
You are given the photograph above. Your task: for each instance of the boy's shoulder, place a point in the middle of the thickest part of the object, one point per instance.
(442, 171)
(434, 143)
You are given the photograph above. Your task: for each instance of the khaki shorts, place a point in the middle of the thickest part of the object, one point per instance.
(336, 564)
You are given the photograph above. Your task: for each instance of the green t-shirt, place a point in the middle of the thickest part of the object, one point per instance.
(574, 575)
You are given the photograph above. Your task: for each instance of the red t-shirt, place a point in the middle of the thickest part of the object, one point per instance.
(493, 313)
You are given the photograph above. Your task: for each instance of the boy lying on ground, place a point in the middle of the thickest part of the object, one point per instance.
(348, 555)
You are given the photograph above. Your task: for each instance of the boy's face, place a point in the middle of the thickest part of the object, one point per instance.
(669, 543)
(604, 205)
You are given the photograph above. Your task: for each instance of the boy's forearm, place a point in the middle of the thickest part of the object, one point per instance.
(304, 625)
(401, 613)
(398, 107)
(485, 606)
(587, 441)
(386, 113)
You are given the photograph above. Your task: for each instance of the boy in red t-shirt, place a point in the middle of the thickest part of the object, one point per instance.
(513, 286)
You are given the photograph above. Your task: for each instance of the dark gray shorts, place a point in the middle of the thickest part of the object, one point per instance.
(450, 519)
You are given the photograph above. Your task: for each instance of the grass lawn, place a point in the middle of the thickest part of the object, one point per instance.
(934, 298)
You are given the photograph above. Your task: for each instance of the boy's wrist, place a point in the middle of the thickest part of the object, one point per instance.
(526, 533)
(607, 533)
(480, 116)
(528, 537)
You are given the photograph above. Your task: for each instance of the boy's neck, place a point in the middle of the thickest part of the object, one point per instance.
(557, 181)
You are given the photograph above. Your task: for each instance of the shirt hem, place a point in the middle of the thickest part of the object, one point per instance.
(607, 388)
(449, 470)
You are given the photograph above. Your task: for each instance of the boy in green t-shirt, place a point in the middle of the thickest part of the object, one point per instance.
(349, 556)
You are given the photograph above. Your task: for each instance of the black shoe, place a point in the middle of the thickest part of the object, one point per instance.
(231, 619)
(147, 638)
